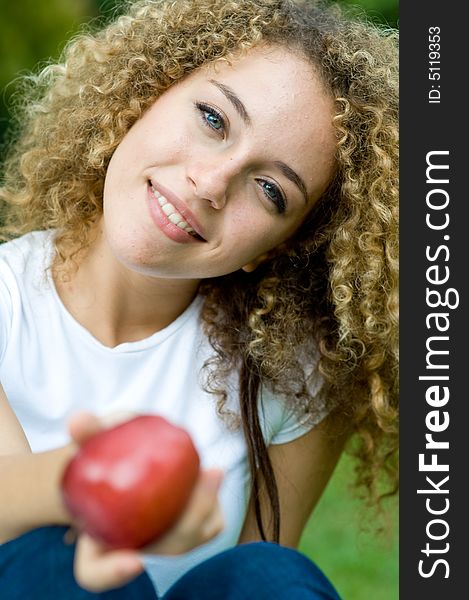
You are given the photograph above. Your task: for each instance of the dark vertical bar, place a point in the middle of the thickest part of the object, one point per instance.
(434, 259)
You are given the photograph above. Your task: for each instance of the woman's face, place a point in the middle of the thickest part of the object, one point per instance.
(221, 169)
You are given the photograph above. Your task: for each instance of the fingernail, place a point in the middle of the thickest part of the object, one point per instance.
(213, 480)
(131, 567)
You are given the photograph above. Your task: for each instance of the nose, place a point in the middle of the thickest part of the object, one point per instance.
(211, 180)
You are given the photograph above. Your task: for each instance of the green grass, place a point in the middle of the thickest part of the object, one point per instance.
(341, 538)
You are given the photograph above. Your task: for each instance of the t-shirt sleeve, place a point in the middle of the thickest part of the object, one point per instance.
(281, 424)
(6, 306)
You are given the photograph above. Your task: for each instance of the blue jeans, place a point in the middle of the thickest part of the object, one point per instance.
(38, 566)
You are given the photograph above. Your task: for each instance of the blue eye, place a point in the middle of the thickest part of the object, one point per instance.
(274, 194)
(211, 118)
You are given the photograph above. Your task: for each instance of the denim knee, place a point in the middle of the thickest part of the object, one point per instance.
(39, 565)
(260, 570)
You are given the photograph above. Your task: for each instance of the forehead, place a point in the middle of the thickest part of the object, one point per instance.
(272, 78)
(290, 108)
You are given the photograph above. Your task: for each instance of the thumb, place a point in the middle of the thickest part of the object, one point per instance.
(97, 569)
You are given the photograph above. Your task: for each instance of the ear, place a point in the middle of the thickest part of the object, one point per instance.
(252, 266)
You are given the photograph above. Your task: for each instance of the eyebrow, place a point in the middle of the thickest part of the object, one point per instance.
(234, 99)
(294, 177)
(240, 108)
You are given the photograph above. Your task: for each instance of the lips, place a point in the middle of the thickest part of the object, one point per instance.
(176, 212)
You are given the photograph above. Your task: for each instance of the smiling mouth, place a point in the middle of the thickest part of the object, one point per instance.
(174, 216)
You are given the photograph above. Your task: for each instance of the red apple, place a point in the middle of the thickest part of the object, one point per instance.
(127, 485)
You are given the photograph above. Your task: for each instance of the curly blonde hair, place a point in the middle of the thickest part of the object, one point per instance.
(335, 287)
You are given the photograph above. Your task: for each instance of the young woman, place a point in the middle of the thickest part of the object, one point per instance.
(200, 216)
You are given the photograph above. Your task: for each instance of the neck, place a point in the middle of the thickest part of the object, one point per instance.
(117, 305)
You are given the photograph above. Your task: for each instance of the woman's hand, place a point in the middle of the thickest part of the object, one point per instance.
(98, 568)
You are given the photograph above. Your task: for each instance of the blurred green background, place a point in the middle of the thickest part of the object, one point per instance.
(356, 549)
(341, 535)
(34, 31)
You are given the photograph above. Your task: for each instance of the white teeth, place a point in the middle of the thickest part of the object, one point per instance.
(173, 215)
(186, 227)
(168, 209)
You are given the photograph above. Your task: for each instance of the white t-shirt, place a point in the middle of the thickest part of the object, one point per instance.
(51, 366)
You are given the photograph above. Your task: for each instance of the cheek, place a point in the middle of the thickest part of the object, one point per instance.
(250, 235)
(165, 135)
(162, 148)
(149, 144)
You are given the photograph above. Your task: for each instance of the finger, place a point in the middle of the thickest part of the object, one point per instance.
(97, 569)
(203, 511)
(213, 478)
(117, 417)
(203, 501)
(205, 493)
(209, 483)
(213, 525)
(83, 425)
